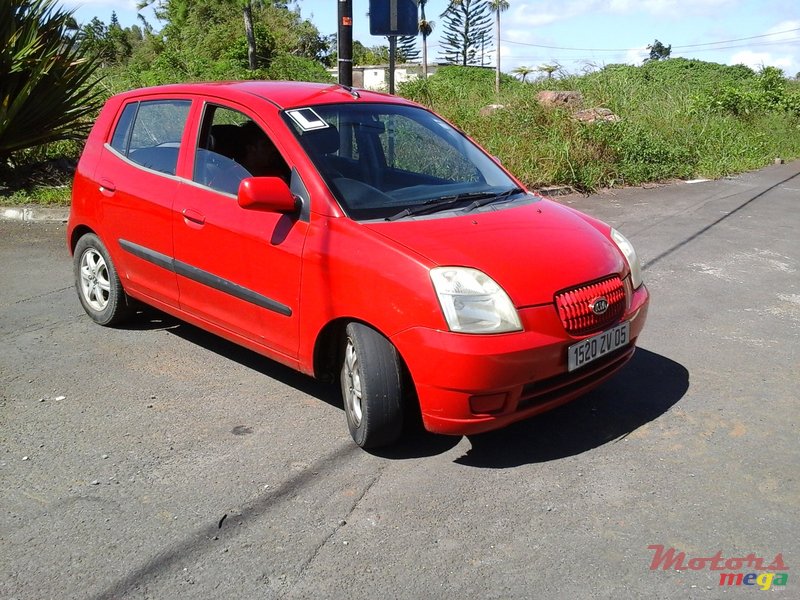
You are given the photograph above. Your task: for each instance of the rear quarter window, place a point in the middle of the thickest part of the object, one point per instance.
(149, 133)
(122, 133)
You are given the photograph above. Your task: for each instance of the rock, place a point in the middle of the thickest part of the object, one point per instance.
(556, 190)
(592, 115)
(560, 99)
(490, 109)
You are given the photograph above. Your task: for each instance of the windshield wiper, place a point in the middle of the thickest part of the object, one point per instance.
(440, 203)
(502, 196)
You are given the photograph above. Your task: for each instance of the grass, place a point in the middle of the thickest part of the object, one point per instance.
(38, 195)
(669, 128)
(40, 176)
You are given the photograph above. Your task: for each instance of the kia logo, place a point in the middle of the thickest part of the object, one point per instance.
(599, 305)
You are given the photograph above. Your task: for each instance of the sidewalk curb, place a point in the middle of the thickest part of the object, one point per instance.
(29, 214)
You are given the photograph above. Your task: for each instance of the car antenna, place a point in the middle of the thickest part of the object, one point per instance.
(351, 90)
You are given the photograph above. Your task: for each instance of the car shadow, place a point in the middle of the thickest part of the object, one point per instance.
(645, 389)
(151, 319)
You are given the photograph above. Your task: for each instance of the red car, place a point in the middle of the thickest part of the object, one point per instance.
(354, 236)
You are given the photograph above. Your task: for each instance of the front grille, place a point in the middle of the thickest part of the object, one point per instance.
(574, 305)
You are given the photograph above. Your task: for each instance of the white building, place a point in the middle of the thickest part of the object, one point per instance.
(376, 77)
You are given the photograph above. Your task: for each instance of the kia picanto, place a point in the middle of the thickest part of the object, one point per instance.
(356, 237)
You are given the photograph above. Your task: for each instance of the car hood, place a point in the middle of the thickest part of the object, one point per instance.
(532, 251)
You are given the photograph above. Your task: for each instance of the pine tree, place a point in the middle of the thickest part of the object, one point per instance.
(407, 50)
(467, 32)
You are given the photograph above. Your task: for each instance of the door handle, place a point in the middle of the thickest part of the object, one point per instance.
(193, 216)
(107, 187)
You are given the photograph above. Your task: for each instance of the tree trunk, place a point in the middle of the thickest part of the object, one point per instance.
(425, 57)
(251, 38)
(425, 29)
(497, 49)
(465, 47)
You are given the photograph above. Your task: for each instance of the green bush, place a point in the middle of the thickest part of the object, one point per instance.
(764, 92)
(297, 68)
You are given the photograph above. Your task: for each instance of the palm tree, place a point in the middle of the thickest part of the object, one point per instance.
(47, 85)
(523, 71)
(497, 7)
(549, 69)
(425, 28)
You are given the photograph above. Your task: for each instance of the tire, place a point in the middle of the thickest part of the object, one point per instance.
(97, 282)
(371, 379)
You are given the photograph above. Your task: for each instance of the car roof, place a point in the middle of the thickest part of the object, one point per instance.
(283, 94)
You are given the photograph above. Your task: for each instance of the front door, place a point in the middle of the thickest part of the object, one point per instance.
(237, 268)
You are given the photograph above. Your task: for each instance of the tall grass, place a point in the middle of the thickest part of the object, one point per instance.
(669, 127)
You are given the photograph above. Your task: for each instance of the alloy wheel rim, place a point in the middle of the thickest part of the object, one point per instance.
(353, 395)
(95, 283)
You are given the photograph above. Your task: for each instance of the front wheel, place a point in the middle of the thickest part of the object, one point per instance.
(98, 285)
(371, 379)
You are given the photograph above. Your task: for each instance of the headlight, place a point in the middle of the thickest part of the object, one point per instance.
(630, 255)
(472, 302)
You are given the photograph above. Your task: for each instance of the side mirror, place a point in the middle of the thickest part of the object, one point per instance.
(266, 193)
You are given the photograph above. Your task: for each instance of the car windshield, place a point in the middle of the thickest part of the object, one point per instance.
(388, 161)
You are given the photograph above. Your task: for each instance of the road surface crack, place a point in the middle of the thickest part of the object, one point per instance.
(342, 522)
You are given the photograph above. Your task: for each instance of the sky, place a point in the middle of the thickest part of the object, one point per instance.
(582, 34)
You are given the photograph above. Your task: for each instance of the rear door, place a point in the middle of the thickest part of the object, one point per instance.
(238, 269)
(137, 178)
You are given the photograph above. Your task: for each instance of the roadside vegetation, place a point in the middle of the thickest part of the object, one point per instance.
(677, 118)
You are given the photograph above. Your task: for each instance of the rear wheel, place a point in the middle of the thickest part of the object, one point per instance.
(97, 282)
(371, 379)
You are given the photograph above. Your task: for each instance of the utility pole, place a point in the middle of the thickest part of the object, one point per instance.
(345, 45)
(392, 60)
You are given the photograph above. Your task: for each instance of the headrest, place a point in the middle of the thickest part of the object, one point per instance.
(224, 139)
(322, 141)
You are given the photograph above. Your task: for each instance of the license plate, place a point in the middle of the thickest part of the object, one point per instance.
(596, 346)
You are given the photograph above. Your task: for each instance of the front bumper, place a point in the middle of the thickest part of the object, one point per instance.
(469, 384)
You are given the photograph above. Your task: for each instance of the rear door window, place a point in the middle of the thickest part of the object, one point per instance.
(149, 133)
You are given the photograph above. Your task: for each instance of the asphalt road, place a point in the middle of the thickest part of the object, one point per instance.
(158, 461)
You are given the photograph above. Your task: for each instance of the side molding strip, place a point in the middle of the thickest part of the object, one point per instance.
(204, 277)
